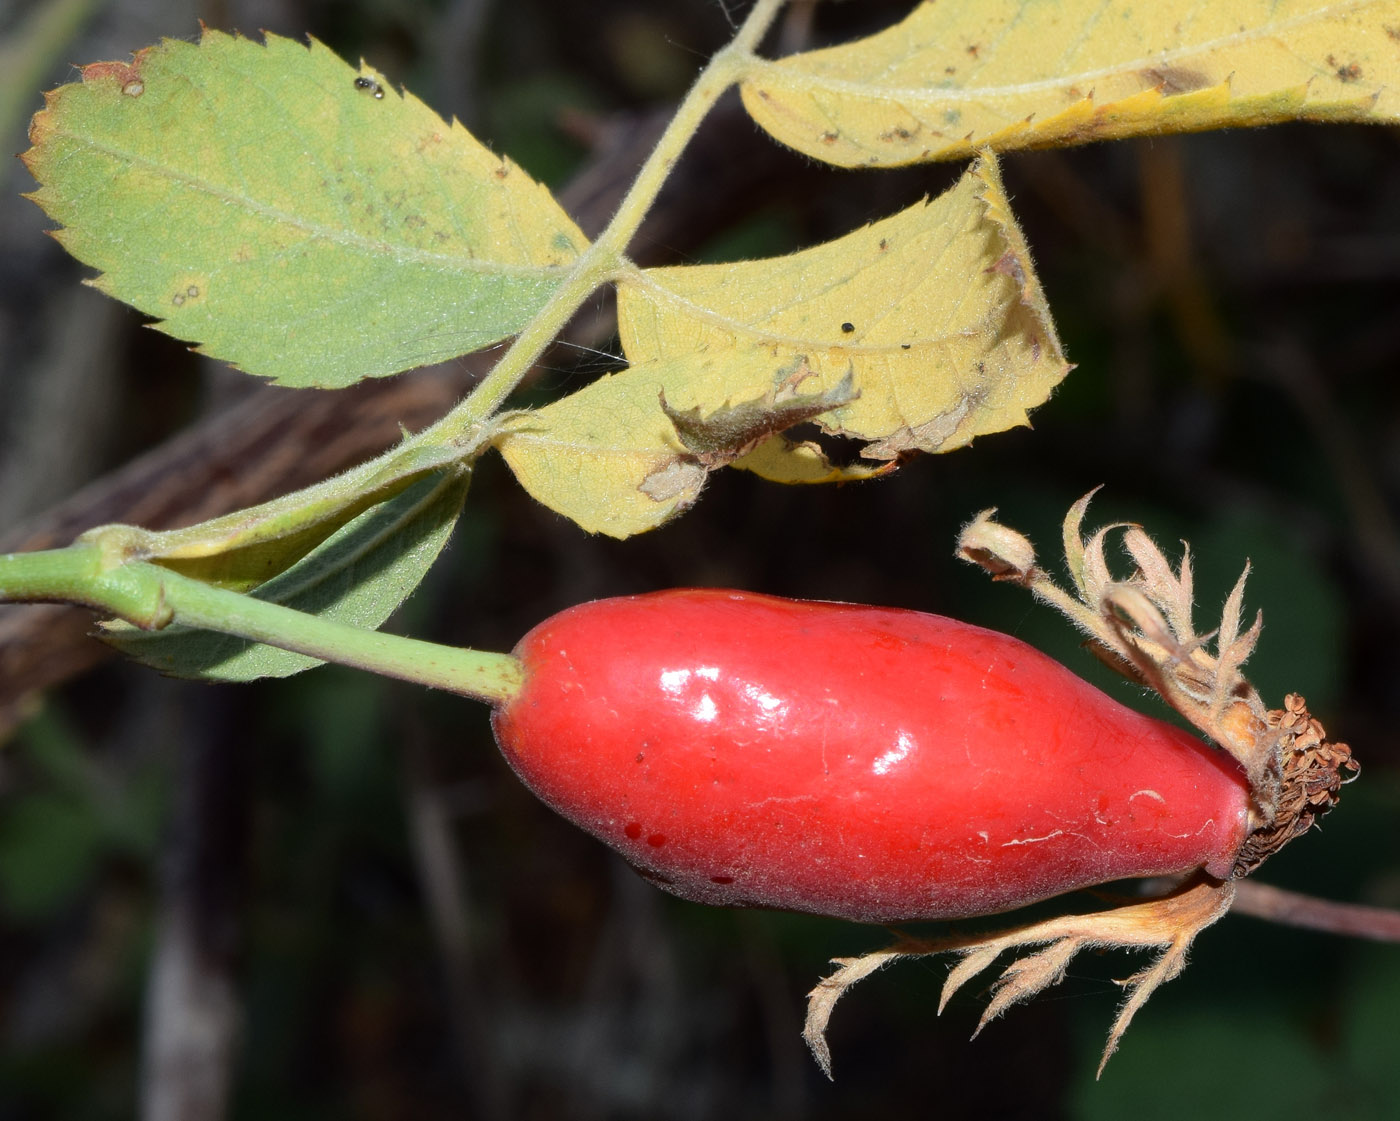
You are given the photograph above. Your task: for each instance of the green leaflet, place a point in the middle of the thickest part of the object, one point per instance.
(359, 575)
(290, 214)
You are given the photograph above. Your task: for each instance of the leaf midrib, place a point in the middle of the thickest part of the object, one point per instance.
(343, 238)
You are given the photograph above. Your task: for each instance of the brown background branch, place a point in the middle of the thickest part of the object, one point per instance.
(1293, 908)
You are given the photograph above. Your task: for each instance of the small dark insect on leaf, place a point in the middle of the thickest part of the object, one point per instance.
(369, 85)
(848, 328)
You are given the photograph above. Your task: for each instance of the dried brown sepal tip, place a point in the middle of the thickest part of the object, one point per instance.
(1169, 923)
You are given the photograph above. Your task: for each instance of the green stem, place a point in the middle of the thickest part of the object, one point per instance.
(605, 256)
(152, 597)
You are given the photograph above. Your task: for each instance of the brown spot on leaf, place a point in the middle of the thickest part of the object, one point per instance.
(830, 137)
(1392, 33)
(785, 385)
(1346, 72)
(1173, 80)
(679, 480)
(1088, 130)
(974, 50)
(1009, 265)
(123, 73)
(929, 436)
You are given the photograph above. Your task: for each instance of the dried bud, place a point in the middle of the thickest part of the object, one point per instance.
(1003, 552)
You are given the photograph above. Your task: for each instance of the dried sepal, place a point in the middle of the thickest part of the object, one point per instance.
(1234, 648)
(1142, 626)
(1008, 555)
(822, 999)
(1003, 552)
(1073, 543)
(1169, 923)
(1142, 623)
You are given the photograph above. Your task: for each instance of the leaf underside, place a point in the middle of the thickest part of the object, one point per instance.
(917, 333)
(961, 75)
(290, 214)
(246, 548)
(358, 576)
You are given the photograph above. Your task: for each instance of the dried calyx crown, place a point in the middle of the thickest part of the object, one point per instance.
(1142, 626)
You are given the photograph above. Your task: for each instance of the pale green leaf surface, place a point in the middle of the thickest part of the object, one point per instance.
(961, 75)
(261, 204)
(935, 314)
(609, 457)
(359, 576)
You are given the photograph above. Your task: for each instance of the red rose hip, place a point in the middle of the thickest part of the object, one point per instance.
(869, 763)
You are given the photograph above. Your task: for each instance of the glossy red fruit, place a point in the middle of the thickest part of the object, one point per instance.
(863, 762)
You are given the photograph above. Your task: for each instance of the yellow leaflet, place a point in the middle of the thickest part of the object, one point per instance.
(960, 75)
(610, 458)
(935, 314)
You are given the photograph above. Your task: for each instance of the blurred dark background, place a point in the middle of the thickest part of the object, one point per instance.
(328, 897)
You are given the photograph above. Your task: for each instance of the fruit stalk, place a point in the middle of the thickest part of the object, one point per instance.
(153, 598)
